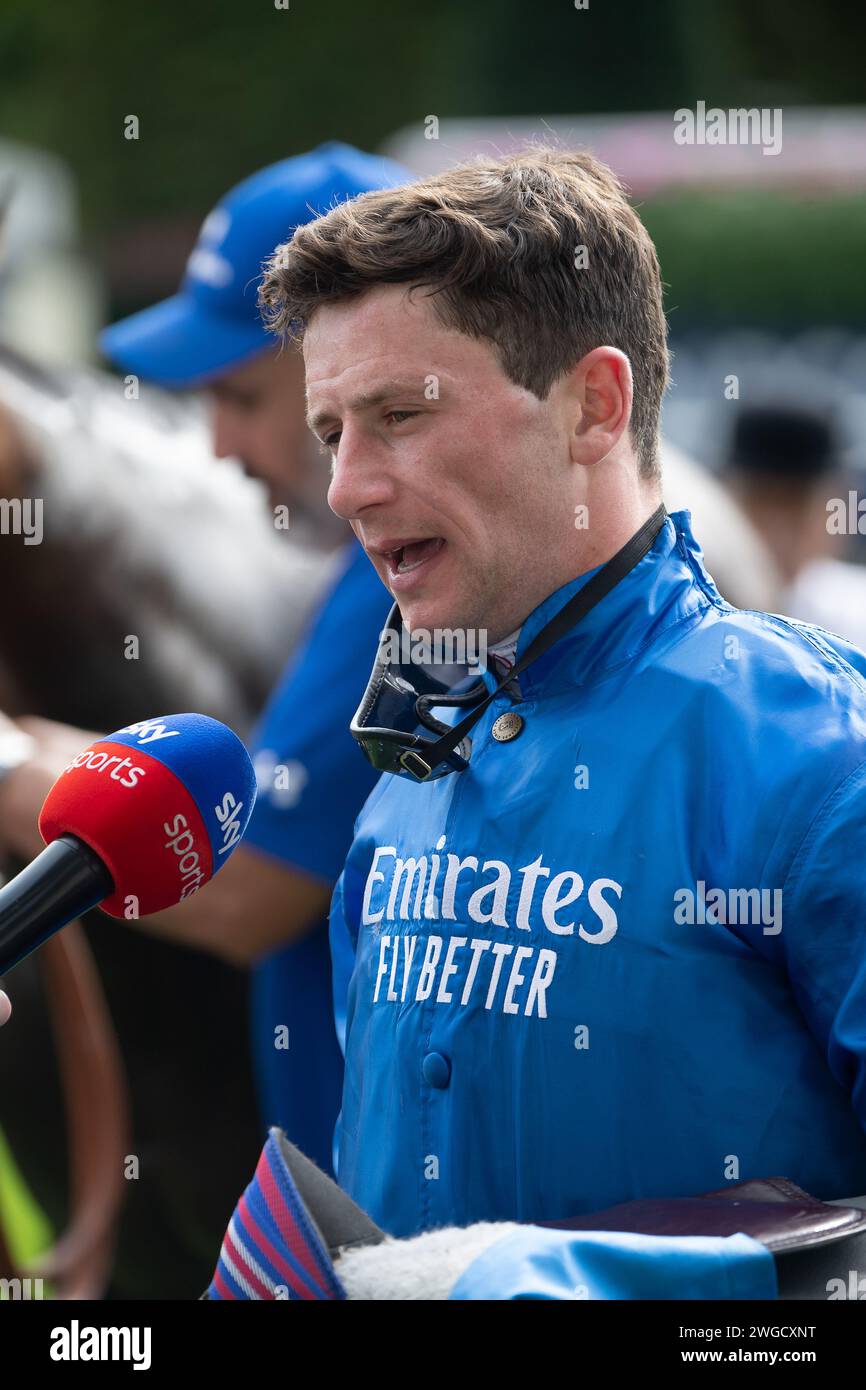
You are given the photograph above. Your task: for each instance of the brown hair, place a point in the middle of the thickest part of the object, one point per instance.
(495, 242)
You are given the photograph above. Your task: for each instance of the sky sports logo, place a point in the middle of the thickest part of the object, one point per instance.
(149, 731)
(77, 1343)
(181, 841)
(97, 760)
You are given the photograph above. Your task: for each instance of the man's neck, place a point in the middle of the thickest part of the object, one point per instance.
(610, 527)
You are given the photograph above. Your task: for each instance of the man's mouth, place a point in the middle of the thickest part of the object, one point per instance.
(406, 556)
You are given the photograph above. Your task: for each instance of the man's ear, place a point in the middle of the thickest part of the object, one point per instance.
(604, 391)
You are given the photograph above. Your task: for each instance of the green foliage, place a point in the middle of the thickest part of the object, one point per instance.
(756, 257)
(223, 87)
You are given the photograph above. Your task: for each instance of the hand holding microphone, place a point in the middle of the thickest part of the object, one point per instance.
(136, 823)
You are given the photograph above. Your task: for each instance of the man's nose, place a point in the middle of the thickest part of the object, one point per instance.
(360, 476)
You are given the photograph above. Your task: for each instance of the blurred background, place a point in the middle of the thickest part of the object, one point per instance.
(120, 128)
(761, 253)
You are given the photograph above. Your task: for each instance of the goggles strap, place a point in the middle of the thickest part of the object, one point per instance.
(568, 617)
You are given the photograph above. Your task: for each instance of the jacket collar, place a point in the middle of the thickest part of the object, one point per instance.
(669, 585)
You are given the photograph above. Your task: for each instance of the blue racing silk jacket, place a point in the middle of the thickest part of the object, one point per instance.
(623, 955)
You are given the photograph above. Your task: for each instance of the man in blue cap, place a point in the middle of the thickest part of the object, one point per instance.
(268, 907)
(210, 335)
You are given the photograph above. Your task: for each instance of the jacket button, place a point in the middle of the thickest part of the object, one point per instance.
(506, 727)
(436, 1070)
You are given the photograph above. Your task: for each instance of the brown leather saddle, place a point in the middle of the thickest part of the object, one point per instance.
(819, 1248)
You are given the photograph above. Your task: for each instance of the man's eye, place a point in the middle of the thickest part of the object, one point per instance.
(332, 440)
(398, 416)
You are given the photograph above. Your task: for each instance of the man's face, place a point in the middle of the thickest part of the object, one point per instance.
(258, 418)
(456, 481)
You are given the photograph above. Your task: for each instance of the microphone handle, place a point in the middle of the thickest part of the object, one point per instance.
(61, 883)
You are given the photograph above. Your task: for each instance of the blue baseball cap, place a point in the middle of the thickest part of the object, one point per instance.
(213, 323)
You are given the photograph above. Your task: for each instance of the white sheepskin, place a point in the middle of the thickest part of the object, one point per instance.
(425, 1267)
